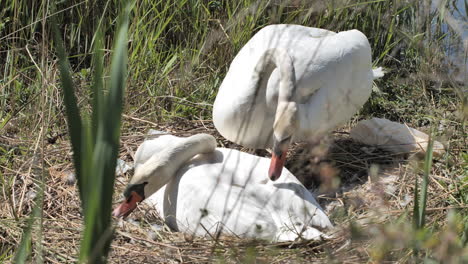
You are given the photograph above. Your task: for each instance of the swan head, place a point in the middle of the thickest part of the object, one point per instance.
(134, 194)
(283, 130)
(149, 177)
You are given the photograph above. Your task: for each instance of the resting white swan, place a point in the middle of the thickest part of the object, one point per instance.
(201, 189)
(291, 83)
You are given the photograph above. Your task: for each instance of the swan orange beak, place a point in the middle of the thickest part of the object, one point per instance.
(276, 165)
(127, 206)
(278, 157)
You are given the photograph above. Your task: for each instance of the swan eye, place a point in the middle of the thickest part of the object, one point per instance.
(129, 198)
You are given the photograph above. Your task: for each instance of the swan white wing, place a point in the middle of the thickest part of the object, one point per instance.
(333, 80)
(214, 191)
(206, 195)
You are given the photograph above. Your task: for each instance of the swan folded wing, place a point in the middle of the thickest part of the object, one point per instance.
(207, 203)
(234, 210)
(228, 191)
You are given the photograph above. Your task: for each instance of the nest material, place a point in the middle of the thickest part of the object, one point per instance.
(340, 172)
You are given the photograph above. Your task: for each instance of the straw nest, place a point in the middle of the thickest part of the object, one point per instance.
(360, 187)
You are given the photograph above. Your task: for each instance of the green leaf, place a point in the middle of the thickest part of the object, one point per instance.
(71, 107)
(425, 183)
(416, 205)
(24, 249)
(97, 86)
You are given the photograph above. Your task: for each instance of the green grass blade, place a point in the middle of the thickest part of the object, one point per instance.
(96, 145)
(420, 199)
(416, 205)
(113, 110)
(102, 146)
(97, 86)
(425, 182)
(90, 192)
(24, 248)
(71, 108)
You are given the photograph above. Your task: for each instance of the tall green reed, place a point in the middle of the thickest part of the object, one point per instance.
(95, 143)
(420, 197)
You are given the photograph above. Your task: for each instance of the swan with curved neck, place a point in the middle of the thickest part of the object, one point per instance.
(200, 189)
(292, 83)
(155, 166)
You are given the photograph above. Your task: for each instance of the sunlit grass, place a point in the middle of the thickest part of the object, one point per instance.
(178, 53)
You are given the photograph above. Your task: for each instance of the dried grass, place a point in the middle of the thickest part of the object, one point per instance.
(361, 199)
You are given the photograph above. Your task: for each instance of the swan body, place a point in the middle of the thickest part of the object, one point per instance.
(292, 83)
(200, 189)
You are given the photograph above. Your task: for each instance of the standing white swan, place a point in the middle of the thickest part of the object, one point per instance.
(291, 83)
(201, 189)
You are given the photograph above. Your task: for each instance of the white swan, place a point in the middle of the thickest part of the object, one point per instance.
(201, 189)
(291, 83)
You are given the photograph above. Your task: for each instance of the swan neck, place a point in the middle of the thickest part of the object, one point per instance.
(285, 122)
(187, 149)
(280, 59)
(163, 166)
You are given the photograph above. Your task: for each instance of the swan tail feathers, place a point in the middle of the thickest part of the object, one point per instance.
(378, 73)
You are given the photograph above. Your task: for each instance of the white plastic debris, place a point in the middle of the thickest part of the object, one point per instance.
(153, 233)
(31, 195)
(122, 167)
(152, 132)
(157, 227)
(70, 178)
(393, 137)
(133, 221)
(406, 200)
